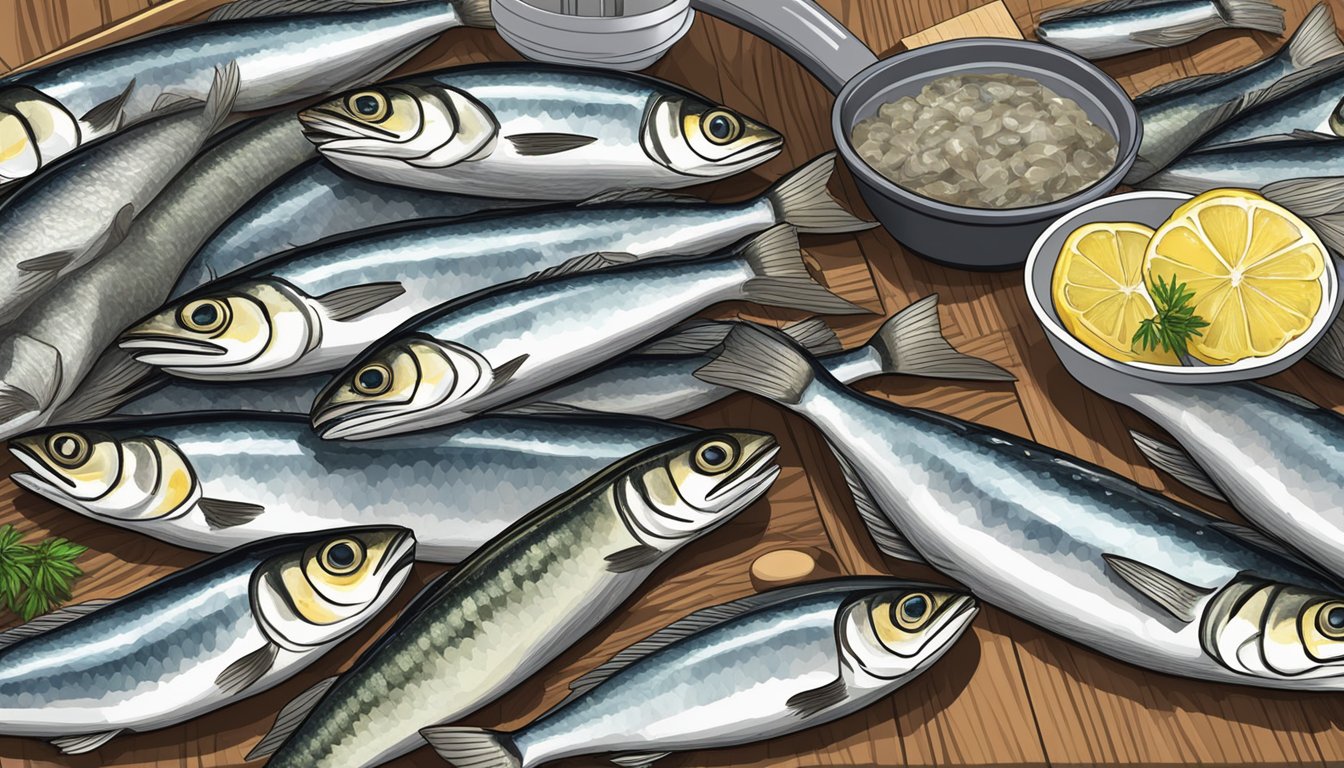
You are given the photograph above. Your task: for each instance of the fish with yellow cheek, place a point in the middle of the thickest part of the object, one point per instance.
(1262, 628)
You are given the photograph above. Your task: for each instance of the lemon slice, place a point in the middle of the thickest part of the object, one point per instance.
(1099, 291)
(1253, 266)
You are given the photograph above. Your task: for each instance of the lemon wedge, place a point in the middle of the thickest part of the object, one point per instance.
(1253, 266)
(1099, 291)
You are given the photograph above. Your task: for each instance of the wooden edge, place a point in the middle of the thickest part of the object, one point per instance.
(151, 19)
(989, 20)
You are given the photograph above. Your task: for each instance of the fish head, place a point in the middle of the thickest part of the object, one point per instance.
(34, 131)
(695, 138)
(328, 584)
(250, 327)
(897, 632)
(135, 479)
(1275, 631)
(410, 383)
(384, 127)
(687, 486)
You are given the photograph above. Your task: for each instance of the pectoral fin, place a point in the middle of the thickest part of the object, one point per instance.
(85, 742)
(223, 513)
(632, 559)
(533, 144)
(108, 115)
(506, 371)
(349, 303)
(241, 674)
(638, 759)
(810, 702)
(1177, 597)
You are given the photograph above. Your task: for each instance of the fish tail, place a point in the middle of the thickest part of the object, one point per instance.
(473, 747)
(912, 343)
(475, 13)
(1329, 350)
(762, 362)
(782, 278)
(1259, 15)
(801, 199)
(1315, 40)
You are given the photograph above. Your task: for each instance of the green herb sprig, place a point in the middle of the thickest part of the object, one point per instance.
(1175, 323)
(35, 578)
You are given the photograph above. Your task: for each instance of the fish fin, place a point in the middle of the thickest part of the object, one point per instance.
(912, 343)
(1287, 397)
(1095, 9)
(1177, 34)
(173, 102)
(588, 262)
(637, 759)
(1186, 85)
(1153, 157)
(1308, 198)
(465, 747)
(534, 144)
(223, 94)
(641, 195)
(1328, 354)
(506, 371)
(109, 113)
(1315, 39)
(1257, 538)
(291, 715)
(44, 269)
(543, 408)
(632, 558)
(1259, 15)
(223, 513)
(1292, 83)
(258, 9)
(241, 674)
(349, 303)
(1177, 463)
(759, 361)
(808, 703)
(85, 742)
(116, 378)
(782, 278)
(1177, 597)
(474, 13)
(889, 541)
(30, 387)
(39, 272)
(50, 621)
(693, 337)
(815, 336)
(801, 199)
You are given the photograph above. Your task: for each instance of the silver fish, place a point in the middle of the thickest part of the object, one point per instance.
(313, 202)
(539, 131)
(47, 352)
(1177, 115)
(489, 349)
(171, 395)
(1068, 546)
(237, 479)
(1315, 106)
(1253, 164)
(316, 309)
(754, 669)
(1116, 27)
(324, 45)
(658, 380)
(522, 600)
(202, 638)
(82, 207)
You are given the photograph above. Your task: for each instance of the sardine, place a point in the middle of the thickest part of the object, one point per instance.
(1315, 106)
(47, 351)
(220, 631)
(1253, 164)
(1177, 115)
(537, 131)
(171, 395)
(522, 600)
(658, 380)
(314, 202)
(1068, 546)
(1117, 27)
(246, 477)
(751, 670)
(83, 207)
(322, 46)
(495, 347)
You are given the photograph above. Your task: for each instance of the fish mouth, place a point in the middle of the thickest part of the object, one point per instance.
(405, 541)
(320, 126)
(354, 421)
(770, 147)
(150, 344)
(34, 482)
(754, 472)
(957, 618)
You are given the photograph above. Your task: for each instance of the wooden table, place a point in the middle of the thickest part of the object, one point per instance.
(1008, 693)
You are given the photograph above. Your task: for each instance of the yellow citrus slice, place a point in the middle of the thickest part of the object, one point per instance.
(1253, 266)
(1099, 291)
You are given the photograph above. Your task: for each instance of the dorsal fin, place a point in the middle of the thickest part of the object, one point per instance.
(642, 195)
(689, 338)
(1177, 463)
(50, 621)
(1287, 397)
(589, 262)
(888, 540)
(1179, 598)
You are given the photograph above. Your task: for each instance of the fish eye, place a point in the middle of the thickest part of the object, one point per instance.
(373, 379)
(369, 105)
(68, 449)
(342, 557)
(714, 456)
(1330, 621)
(912, 612)
(721, 126)
(203, 315)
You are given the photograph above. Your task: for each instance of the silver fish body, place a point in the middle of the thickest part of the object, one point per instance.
(750, 670)
(1313, 108)
(253, 476)
(1117, 27)
(1070, 547)
(196, 640)
(174, 395)
(475, 634)
(1252, 165)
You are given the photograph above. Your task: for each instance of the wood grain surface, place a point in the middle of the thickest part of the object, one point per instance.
(1007, 694)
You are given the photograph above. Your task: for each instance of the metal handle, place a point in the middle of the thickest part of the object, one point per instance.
(800, 28)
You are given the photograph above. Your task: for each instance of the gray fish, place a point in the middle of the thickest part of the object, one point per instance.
(83, 207)
(322, 46)
(754, 669)
(540, 131)
(225, 629)
(497, 346)
(658, 380)
(317, 308)
(243, 477)
(1068, 546)
(1117, 27)
(1177, 115)
(1316, 107)
(522, 600)
(47, 352)
(1253, 164)
(316, 201)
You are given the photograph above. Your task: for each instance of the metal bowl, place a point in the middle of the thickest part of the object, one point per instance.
(1112, 377)
(616, 34)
